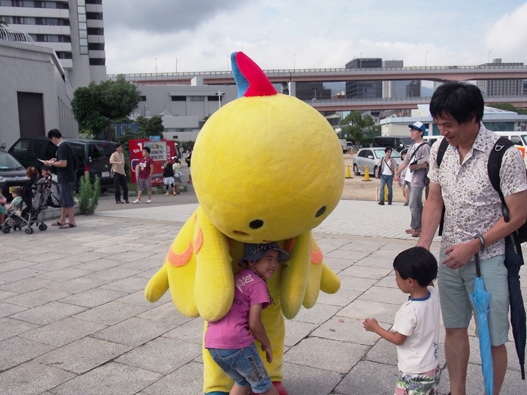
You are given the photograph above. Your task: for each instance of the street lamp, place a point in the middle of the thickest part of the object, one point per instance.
(315, 96)
(219, 94)
(426, 53)
(488, 57)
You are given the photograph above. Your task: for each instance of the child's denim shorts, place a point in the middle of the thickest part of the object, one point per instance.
(244, 366)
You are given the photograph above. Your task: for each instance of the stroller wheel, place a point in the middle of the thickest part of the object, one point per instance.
(42, 227)
(29, 230)
(6, 229)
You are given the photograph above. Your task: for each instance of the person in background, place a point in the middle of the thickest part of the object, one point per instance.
(415, 330)
(385, 171)
(67, 178)
(406, 179)
(417, 162)
(473, 224)
(119, 175)
(144, 179)
(188, 159)
(168, 177)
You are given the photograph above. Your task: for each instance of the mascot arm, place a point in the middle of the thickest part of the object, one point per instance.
(295, 276)
(304, 275)
(178, 273)
(214, 286)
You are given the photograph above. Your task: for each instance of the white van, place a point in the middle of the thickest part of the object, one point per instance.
(519, 139)
(432, 139)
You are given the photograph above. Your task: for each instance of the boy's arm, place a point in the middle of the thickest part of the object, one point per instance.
(258, 330)
(371, 325)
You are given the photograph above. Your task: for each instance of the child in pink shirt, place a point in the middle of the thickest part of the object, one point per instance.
(230, 341)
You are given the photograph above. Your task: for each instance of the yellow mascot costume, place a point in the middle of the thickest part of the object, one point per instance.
(265, 167)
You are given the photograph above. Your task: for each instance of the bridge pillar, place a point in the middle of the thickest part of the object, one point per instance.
(292, 88)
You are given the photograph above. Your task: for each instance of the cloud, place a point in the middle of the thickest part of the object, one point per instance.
(165, 15)
(507, 39)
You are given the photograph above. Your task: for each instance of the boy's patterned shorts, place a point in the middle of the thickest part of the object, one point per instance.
(418, 384)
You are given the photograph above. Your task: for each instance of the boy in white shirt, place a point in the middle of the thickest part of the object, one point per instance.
(415, 331)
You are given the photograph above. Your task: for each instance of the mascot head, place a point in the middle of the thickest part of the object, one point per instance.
(266, 166)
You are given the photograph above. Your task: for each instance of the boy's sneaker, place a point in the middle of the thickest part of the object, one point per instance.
(174, 193)
(166, 193)
(136, 201)
(148, 201)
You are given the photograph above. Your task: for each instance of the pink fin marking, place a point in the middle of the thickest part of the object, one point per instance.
(198, 241)
(316, 255)
(259, 84)
(179, 259)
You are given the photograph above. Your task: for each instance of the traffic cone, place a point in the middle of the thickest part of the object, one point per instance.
(348, 172)
(366, 174)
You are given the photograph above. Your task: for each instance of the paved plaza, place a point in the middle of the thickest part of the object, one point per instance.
(73, 318)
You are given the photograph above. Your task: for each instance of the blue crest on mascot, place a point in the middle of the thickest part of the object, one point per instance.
(265, 167)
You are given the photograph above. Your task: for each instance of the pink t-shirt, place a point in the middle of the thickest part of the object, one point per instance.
(232, 331)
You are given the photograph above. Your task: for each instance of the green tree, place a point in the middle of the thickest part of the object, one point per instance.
(152, 126)
(355, 126)
(97, 105)
(508, 107)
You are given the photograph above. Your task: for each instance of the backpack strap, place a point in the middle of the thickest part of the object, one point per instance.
(440, 154)
(441, 151)
(494, 166)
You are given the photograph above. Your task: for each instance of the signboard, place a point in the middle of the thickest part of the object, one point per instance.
(160, 152)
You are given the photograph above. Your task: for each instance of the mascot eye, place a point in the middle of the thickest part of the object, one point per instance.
(320, 211)
(256, 224)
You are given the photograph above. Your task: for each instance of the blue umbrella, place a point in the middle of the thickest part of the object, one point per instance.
(480, 300)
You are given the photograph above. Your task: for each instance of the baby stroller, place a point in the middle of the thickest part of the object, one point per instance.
(16, 219)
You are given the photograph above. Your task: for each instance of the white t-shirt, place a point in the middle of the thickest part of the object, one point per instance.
(418, 319)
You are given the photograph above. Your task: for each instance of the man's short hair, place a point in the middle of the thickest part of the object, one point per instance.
(458, 99)
(147, 149)
(388, 149)
(118, 145)
(54, 133)
(417, 263)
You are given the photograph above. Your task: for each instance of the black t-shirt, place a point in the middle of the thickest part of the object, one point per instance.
(66, 174)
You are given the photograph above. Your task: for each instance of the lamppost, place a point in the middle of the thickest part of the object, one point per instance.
(426, 53)
(315, 96)
(219, 94)
(488, 57)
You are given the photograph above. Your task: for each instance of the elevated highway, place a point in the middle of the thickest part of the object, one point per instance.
(430, 73)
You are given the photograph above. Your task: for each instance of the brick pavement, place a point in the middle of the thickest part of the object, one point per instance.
(73, 319)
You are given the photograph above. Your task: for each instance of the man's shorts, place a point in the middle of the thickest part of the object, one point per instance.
(418, 384)
(455, 286)
(143, 183)
(66, 194)
(244, 366)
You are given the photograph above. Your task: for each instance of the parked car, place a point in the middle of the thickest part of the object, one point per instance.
(398, 143)
(370, 157)
(12, 175)
(93, 155)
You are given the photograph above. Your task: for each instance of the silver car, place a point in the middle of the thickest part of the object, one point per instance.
(370, 157)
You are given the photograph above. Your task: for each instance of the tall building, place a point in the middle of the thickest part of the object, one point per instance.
(491, 88)
(312, 91)
(74, 29)
(364, 89)
(399, 89)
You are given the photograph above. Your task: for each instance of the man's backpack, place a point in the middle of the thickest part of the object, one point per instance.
(493, 170)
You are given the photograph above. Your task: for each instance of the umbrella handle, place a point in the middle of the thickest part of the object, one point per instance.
(478, 269)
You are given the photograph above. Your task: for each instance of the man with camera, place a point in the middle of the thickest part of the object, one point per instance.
(417, 161)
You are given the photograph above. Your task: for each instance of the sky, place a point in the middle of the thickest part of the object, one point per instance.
(199, 35)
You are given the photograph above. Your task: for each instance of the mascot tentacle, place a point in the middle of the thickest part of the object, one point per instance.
(271, 187)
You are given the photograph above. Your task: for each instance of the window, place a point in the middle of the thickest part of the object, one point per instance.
(143, 98)
(179, 98)
(96, 46)
(97, 62)
(94, 15)
(197, 98)
(95, 31)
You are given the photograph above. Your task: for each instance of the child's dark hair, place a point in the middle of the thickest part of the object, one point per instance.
(18, 191)
(417, 263)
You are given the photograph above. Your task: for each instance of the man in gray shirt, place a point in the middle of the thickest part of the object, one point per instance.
(417, 162)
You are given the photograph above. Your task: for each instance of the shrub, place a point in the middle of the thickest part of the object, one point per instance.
(89, 195)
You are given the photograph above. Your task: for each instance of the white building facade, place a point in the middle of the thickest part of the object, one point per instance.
(74, 29)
